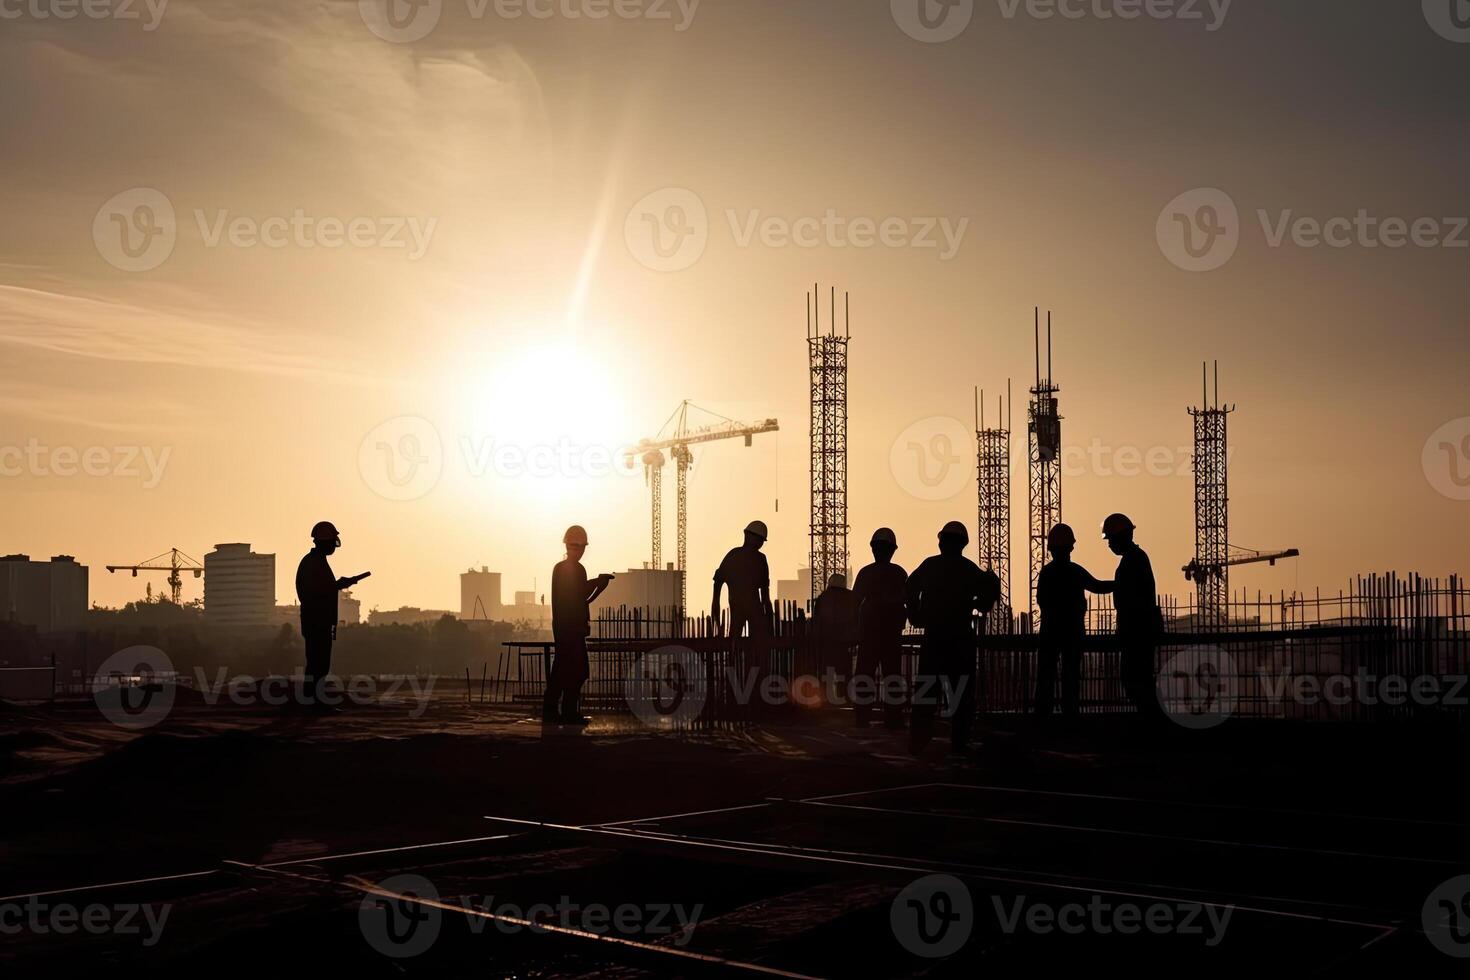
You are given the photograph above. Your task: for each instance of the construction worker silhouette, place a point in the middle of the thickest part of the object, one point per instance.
(943, 595)
(1140, 621)
(834, 627)
(879, 591)
(316, 591)
(571, 623)
(1061, 595)
(748, 577)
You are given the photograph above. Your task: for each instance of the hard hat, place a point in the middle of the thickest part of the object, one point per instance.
(576, 534)
(956, 529)
(758, 528)
(1060, 534)
(324, 531)
(885, 535)
(1116, 524)
(837, 581)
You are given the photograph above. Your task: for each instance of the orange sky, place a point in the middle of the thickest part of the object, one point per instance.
(448, 230)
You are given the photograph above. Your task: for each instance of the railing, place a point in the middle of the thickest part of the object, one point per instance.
(1387, 649)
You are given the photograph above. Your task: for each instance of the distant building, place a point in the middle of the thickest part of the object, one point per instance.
(349, 612)
(239, 586)
(406, 616)
(526, 609)
(798, 590)
(479, 594)
(646, 588)
(49, 595)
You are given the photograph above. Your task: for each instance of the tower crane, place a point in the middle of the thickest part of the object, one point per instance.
(177, 562)
(1196, 572)
(676, 437)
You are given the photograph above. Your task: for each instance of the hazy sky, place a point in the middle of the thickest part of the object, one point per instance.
(265, 263)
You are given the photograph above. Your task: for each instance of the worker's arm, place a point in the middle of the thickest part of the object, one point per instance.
(1096, 585)
(765, 597)
(348, 581)
(598, 585)
(714, 608)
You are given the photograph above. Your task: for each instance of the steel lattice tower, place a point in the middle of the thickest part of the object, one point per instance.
(993, 480)
(1210, 569)
(1044, 444)
(828, 356)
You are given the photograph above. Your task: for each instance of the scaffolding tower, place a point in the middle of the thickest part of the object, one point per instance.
(1211, 502)
(828, 360)
(1044, 439)
(993, 480)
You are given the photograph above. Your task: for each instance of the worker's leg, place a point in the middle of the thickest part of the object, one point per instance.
(927, 694)
(1046, 676)
(318, 641)
(889, 670)
(868, 666)
(1071, 676)
(962, 679)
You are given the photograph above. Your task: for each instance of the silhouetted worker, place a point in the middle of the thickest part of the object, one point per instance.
(745, 572)
(571, 623)
(1139, 620)
(943, 594)
(1061, 595)
(316, 591)
(834, 620)
(879, 591)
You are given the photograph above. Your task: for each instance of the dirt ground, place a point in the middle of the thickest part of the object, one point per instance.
(261, 838)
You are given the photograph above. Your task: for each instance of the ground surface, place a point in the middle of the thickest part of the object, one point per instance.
(803, 847)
